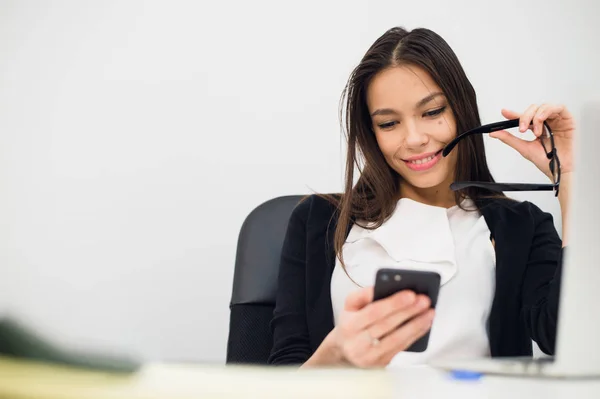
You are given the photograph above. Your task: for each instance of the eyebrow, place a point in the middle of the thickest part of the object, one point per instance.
(429, 98)
(422, 102)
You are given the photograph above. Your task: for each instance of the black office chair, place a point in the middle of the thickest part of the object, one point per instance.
(255, 280)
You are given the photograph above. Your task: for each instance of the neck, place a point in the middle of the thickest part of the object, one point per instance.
(435, 196)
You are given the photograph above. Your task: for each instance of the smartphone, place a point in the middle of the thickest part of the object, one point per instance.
(390, 281)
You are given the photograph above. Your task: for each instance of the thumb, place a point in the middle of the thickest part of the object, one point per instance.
(520, 145)
(359, 299)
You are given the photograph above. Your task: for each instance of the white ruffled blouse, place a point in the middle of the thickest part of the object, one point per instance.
(452, 242)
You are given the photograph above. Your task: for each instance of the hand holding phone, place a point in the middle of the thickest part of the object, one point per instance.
(367, 333)
(391, 281)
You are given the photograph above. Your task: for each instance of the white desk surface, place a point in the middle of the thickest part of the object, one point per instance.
(23, 380)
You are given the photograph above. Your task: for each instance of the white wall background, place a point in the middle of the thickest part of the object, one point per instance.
(136, 136)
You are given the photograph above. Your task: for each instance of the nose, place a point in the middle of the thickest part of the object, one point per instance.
(413, 137)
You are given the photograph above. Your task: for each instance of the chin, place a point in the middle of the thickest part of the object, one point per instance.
(425, 185)
(425, 182)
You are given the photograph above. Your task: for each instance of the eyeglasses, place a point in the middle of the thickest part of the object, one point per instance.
(547, 141)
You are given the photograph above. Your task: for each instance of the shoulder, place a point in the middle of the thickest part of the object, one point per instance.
(499, 210)
(317, 206)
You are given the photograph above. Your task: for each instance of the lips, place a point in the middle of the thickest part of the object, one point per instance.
(424, 161)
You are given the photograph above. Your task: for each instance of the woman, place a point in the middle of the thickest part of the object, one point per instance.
(499, 259)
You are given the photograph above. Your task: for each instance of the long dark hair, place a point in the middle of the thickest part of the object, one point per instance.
(374, 196)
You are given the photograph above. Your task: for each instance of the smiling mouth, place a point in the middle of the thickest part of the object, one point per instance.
(423, 160)
(424, 163)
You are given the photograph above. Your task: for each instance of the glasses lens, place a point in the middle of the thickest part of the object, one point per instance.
(553, 170)
(546, 140)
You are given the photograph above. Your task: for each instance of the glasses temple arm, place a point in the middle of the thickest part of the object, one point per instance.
(492, 127)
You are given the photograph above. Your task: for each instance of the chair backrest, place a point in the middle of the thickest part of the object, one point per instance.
(255, 280)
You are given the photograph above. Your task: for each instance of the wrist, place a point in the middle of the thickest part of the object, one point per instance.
(332, 350)
(564, 194)
(329, 353)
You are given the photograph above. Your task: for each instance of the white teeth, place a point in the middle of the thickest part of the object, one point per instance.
(424, 160)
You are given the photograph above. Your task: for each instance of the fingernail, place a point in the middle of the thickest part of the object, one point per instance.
(423, 301)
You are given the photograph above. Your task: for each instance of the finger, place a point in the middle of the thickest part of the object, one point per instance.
(541, 114)
(392, 322)
(509, 114)
(357, 300)
(549, 112)
(520, 145)
(405, 336)
(383, 308)
(527, 117)
(559, 111)
(553, 111)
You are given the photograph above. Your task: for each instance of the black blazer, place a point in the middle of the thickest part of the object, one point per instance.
(525, 306)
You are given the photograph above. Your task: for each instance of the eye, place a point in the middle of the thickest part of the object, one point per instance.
(435, 112)
(387, 125)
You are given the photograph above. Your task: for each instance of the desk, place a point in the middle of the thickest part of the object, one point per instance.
(25, 380)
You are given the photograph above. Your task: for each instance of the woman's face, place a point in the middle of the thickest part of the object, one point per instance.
(412, 123)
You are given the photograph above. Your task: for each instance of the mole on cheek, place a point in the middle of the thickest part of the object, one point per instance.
(439, 122)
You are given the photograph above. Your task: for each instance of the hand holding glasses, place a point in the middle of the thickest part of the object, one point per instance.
(547, 141)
